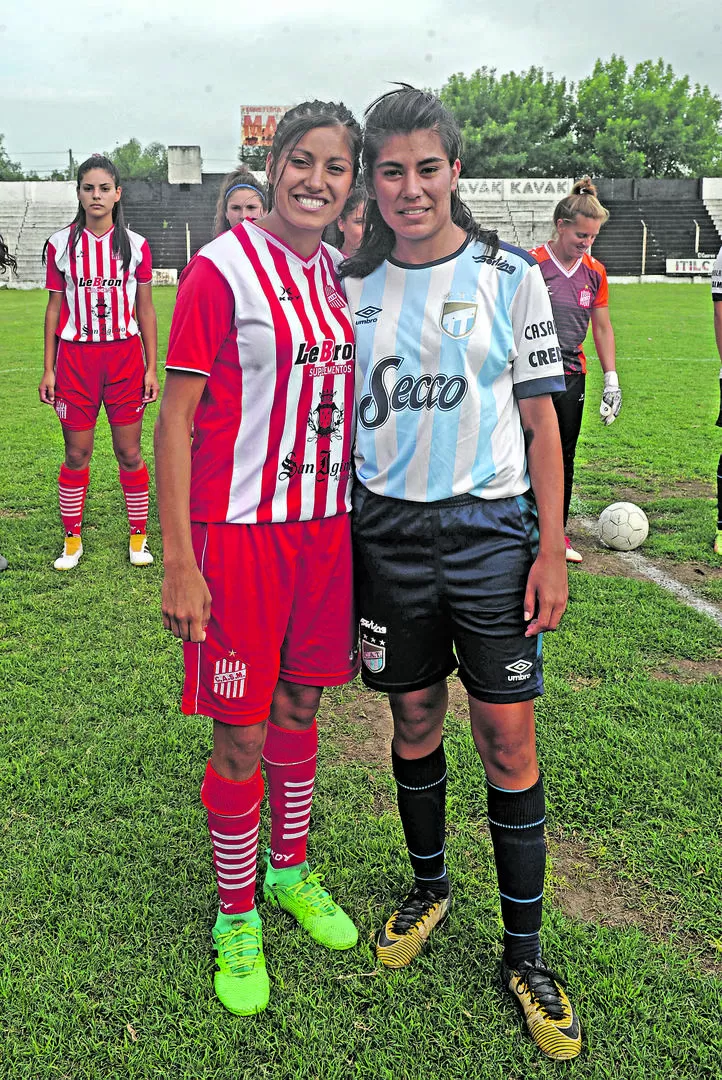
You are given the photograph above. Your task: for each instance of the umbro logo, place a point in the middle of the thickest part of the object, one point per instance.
(520, 670)
(368, 314)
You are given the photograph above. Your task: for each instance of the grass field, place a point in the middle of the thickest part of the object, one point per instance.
(106, 886)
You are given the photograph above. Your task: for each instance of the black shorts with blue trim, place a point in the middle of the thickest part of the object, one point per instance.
(441, 585)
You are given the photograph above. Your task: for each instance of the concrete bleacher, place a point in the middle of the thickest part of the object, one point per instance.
(30, 210)
(520, 210)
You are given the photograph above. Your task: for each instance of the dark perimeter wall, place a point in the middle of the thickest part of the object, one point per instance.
(160, 211)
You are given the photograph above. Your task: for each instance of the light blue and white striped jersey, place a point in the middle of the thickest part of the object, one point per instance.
(443, 351)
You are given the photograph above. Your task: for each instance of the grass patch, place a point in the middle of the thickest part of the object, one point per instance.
(106, 887)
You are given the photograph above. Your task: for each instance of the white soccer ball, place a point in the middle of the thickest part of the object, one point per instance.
(623, 526)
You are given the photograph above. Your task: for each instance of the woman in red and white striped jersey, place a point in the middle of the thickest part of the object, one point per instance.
(256, 533)
(99, 309)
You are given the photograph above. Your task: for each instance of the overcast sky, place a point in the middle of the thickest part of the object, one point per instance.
(87, 77)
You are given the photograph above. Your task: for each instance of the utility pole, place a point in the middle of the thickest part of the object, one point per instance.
(70, 165)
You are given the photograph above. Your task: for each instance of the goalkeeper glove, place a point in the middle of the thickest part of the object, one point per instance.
(611, 398)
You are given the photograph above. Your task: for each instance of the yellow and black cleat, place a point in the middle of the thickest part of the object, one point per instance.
(404, 935)
(552, 1022)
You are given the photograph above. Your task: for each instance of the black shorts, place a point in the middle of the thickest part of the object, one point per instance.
(432, 578)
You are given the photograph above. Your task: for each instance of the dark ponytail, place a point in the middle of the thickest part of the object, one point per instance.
(121, 240)
(6, 259)
(399, 112)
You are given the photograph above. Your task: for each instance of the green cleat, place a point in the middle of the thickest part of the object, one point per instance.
(241, 982)
(717, 547)
(298, 891)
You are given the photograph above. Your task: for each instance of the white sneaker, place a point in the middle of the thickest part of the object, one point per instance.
(72, 551)
(138, 550)
(572, 555)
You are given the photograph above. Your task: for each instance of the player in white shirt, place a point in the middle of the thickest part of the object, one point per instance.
(717, 301)
(458, 457)
(256, 532)
(99, 309)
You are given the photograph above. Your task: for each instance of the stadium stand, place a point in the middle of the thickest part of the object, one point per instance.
(30, 211)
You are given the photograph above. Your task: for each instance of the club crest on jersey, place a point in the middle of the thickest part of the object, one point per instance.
(229, 678)
(373, 656)
(585, 297)
(326, 419)
(458, 317)
(334, 297)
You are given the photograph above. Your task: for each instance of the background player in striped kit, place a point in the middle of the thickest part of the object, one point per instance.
(258, 576)
(99, 308)
(717, 302)
(457, 358)
(578, 290)
(241, 197)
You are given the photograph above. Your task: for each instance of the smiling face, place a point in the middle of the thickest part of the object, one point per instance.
(243, 204)
(311, 184)
(412, 183)
(98, 195)
(575, 238)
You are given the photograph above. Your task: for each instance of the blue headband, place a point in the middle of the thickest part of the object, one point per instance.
(250, 188)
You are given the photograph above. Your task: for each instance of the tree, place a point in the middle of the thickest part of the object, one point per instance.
(511, 123)
(9, 170)
(646, 122)
(616, 122)
(135, 163)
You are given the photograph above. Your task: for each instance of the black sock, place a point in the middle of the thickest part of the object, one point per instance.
(516, 823)
(421, 794)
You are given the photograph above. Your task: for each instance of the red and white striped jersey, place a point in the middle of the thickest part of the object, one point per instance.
(98, 295)
(271, 331)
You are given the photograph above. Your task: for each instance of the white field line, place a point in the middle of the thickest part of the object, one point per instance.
(643, 566)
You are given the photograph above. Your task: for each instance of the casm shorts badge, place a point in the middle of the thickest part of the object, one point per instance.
(229, 678)
(373, 656)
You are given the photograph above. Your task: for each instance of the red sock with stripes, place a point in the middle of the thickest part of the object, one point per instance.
(72, 489)
(290, 761)
(234, 814)
(135, 490)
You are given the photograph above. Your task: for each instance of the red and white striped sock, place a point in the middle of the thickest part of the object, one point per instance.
(290, 760)
(72, 489)
(135, 490)
(234, 814)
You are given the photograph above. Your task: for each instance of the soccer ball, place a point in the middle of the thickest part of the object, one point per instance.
(623, 526)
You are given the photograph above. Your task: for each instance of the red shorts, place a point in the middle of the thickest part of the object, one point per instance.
(282, 606)
(87, 374)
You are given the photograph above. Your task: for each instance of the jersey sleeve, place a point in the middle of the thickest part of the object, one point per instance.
(202, 319)
(602, 297)
(717, 278)
(144, 269)
(537, 367)
(54, 279)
